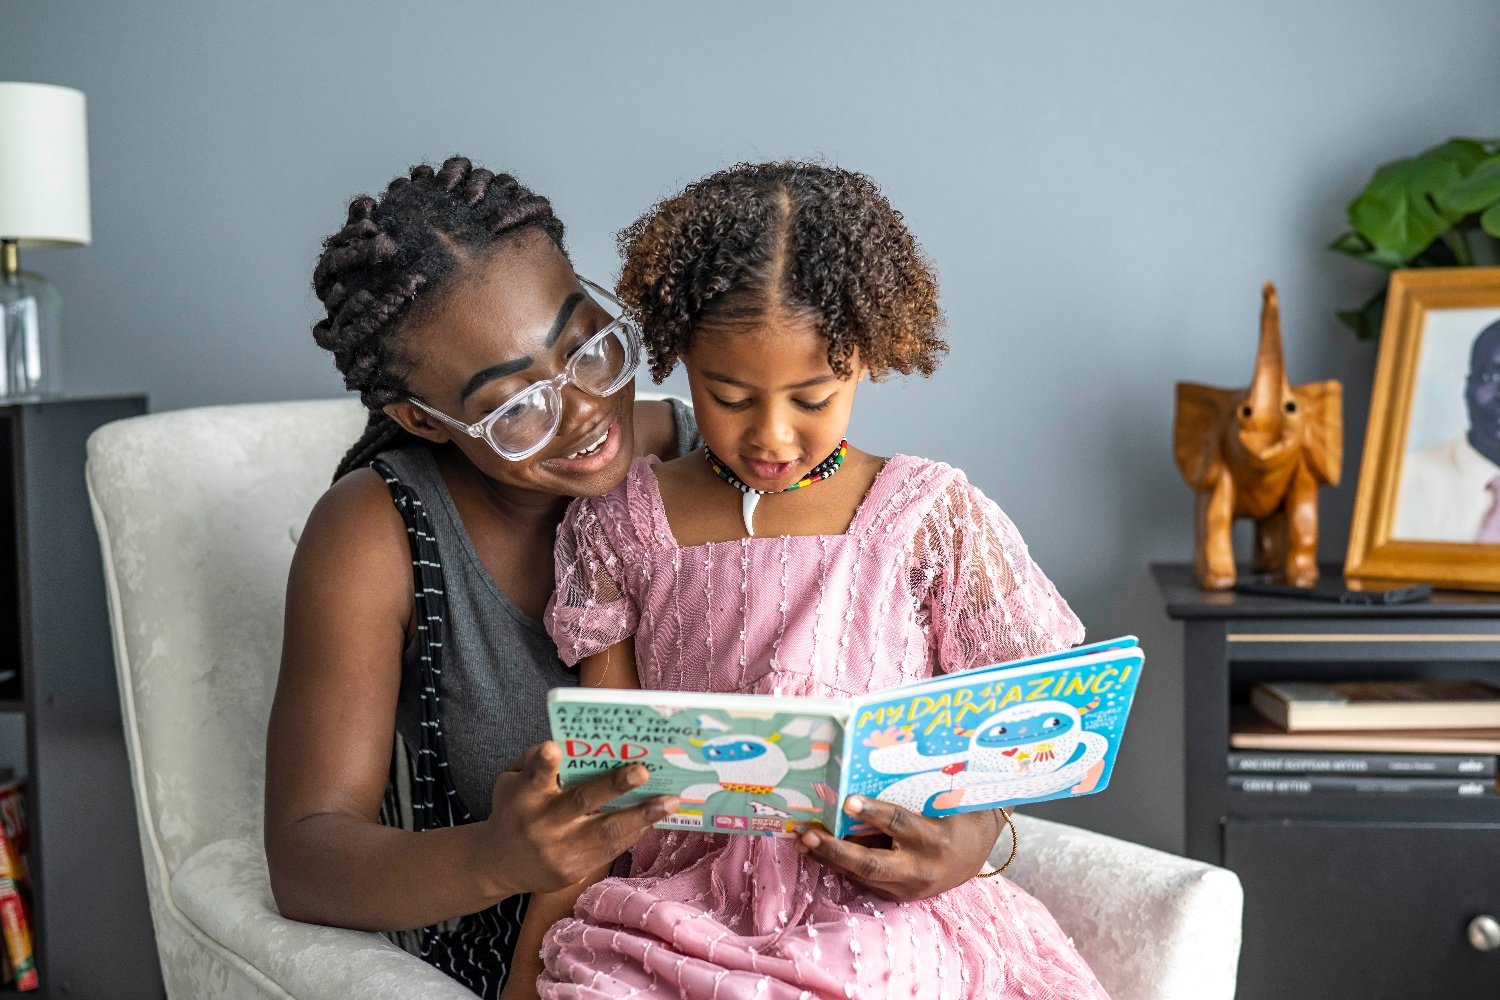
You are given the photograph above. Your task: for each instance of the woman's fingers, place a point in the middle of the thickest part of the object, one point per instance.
(596, 793)
(538, 766)
(616, 832)
(557, 835)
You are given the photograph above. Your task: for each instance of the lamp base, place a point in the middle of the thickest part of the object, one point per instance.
(30, 335)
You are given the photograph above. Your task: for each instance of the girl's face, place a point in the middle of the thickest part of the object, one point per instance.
(767, 401)
(513, 319)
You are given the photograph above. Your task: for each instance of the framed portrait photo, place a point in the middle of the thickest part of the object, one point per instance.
(1428, 502)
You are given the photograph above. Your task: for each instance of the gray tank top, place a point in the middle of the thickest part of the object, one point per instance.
(498, 662)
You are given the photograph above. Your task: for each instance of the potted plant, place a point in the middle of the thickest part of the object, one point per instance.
(1440, 208)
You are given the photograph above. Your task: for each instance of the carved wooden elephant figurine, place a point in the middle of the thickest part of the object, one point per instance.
(1259, 452)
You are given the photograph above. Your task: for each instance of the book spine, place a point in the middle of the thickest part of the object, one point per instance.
(17, 931)
(15, 923)
(1410, 765)
(13, 821)
(1342, 785)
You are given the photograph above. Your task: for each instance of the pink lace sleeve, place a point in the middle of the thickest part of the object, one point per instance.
(591, 608)
(988, 601)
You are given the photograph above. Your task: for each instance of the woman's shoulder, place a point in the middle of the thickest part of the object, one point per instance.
(353, 513)
(354, 543)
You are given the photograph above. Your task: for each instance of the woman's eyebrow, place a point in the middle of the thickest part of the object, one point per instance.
(564, 313)
(504, 368)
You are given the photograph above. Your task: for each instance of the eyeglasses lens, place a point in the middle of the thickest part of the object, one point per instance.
(527, 420)
(601, 367)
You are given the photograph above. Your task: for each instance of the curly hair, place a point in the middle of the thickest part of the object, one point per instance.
(393, 261)
(810, 238)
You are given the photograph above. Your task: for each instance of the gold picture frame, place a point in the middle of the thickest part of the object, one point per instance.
(1399, 532)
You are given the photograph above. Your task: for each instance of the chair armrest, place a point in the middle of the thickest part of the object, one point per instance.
(225, 891)
(1152, 925)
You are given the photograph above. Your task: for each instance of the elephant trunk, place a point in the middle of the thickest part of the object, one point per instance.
(1269, 387)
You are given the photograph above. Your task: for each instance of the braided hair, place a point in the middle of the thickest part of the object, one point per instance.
(391, 265)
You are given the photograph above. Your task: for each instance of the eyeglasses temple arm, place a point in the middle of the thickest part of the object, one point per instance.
(473, 430)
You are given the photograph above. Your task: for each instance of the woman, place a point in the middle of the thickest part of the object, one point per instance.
(499, 385)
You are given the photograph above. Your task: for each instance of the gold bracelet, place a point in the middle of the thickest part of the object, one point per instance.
(1015, 843)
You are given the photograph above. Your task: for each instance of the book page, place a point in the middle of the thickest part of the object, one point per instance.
(739, 763)
(1039, 730)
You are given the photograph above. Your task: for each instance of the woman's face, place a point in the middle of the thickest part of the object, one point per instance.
(511, 319)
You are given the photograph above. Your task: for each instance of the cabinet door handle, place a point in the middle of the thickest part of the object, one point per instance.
(1484, 932)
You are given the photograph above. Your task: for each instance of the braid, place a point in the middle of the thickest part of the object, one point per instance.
(381, 433)
(393, 260)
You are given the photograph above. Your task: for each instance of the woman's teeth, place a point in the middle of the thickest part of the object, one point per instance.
(591, 448)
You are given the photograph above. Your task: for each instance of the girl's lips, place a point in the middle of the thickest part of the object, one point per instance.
(585, 465)
(769, 472)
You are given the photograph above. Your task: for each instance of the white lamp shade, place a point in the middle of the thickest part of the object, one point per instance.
(44, 166)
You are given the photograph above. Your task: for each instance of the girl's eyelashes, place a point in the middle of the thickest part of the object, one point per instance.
(739, 404)
(814, 406)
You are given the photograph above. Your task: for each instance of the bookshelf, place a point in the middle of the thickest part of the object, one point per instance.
(1345, 895)
(60, 712)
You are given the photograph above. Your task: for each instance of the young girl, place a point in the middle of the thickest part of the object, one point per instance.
(779, 559)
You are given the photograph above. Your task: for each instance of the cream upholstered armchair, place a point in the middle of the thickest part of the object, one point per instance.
(198, 512)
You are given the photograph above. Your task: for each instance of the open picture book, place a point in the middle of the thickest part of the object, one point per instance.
(1028, 730)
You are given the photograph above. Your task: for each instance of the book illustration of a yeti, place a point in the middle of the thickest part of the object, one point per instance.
(765, 783)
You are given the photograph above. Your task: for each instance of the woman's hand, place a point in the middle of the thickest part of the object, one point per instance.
(913, 856)
(541, 837)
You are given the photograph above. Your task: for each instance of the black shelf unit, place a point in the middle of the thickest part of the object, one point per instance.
(92, 924)
(1345, 895)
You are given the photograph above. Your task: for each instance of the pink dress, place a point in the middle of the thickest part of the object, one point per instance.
(930, 573)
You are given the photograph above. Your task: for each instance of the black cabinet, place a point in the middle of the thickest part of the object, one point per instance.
(1346, 896)
(92, 925)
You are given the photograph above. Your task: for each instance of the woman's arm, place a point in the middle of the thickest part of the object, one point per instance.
(615, 668)
(329, 745)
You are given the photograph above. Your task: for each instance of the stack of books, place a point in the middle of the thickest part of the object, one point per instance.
(1369, 737)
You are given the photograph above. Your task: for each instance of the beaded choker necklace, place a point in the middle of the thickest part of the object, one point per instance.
(752, 496)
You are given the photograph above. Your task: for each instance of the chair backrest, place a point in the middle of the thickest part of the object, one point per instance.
(198, 513)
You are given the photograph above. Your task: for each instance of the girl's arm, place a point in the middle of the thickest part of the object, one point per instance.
(986, 586)
(614, 668)
(328, 753)
(914, 856)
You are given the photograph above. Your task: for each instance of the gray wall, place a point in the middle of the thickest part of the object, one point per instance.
(1103, 188)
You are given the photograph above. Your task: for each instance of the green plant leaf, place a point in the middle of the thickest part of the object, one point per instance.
(1476, 192)
(1465, 154)
(1395, 212)
(1366, 320)
(1356, 246)
(1490, 220)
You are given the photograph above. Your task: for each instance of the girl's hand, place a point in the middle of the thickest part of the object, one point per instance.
(541, 837)
(914, 856)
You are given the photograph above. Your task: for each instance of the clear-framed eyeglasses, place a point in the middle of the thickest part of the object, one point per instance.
(601, 366)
